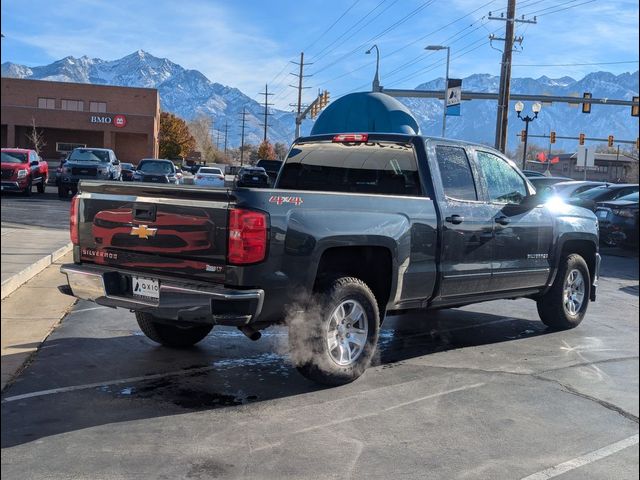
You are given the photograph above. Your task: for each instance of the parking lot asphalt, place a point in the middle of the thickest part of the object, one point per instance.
(484, 391)
(39, 210)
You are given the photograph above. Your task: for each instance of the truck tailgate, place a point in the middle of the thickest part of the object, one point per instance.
(155, 228)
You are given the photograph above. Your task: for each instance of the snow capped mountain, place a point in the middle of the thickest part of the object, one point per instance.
(477, 120)
(188, 93)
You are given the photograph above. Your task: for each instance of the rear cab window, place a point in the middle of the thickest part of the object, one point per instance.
(373, 167)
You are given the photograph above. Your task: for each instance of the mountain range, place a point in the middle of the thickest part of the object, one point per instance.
(188, 92)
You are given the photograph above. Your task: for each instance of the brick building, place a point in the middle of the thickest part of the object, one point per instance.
(70, 115)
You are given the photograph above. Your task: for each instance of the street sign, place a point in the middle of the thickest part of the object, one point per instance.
(586, 156)
(454, 96)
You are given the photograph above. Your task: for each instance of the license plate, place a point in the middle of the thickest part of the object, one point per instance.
(146, 288)
(255, 179)
(602, 214)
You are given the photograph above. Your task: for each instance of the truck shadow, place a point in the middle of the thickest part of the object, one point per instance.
(193, 380)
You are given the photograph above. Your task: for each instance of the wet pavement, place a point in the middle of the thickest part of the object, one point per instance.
(484, 391)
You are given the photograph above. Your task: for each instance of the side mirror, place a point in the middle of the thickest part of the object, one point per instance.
(116, 162)
(34, 163)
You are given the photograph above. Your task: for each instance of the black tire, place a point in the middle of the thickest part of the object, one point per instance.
(553, 306)
(42, 185)
(27, 191)
(309, 334)
(175, 336)
(63, 192)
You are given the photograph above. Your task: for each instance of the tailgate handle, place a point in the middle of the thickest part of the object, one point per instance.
(144, 212)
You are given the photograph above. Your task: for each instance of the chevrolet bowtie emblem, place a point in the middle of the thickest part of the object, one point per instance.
(142, 231)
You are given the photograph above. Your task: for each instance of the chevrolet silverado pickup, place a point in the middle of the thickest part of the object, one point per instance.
(357, 227)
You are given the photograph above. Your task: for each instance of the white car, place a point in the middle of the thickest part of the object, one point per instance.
(209, 177)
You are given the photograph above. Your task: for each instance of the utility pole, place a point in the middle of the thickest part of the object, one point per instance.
(218, 140)
(244, 115)
(300, 76)
(226, 131)
(266, 109)
(502, 118)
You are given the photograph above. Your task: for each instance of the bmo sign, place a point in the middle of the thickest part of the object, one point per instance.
(117, 121)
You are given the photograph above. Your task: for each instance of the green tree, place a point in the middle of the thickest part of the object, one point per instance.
(266, 151)
(174, 137)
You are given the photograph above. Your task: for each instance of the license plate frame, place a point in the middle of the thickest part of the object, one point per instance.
(145, 288)
(602, 214)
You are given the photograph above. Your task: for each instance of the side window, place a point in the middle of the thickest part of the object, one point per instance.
(503, 182)
(455, 170)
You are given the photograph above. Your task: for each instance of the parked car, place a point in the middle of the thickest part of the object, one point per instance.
(357, 225)
(22, 169)
(590, 198)
(252, 177)
(575, 187)
(209, 177)
(156, 170)
(272, 167)
(532, 173)
(618, 220)
(87, 163)
(127, 171)
(179, 174)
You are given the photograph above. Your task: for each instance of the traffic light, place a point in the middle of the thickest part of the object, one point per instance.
(325, 98)
(552, 137)
(635, 109)
(314, 109)
(581, 139)
(586, 107)
(610, 141)
(523, 136)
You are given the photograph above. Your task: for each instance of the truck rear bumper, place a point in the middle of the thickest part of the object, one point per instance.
(179, 300)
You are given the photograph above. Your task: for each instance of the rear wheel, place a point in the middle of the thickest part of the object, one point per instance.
(175, 336)
(334, 341)
(565, 304)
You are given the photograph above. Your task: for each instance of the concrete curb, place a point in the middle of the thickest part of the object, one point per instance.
(11, 284)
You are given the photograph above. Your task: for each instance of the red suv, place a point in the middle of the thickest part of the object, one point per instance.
(22, 169)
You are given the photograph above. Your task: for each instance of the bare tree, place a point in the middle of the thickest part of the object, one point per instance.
(36, 138)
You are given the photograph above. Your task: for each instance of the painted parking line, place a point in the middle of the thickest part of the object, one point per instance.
(584, 459)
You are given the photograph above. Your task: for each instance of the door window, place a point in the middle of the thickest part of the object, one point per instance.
(504, 184)
(455, 170)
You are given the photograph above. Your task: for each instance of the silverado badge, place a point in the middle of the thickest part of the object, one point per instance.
(142, 231)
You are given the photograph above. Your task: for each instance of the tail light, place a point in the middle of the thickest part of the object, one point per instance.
(351, 137)
(73, 220)
(247, 236)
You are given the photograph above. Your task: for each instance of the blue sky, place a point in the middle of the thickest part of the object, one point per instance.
(247, 43)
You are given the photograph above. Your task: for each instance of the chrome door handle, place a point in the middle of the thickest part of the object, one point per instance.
(455, 219)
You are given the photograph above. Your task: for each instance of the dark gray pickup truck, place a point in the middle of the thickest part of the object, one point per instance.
(358, 226)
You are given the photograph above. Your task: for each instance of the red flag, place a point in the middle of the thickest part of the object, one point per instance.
(555, 160)
(542, 157)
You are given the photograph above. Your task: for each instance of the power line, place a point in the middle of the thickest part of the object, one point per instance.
(308, 47)
(566, 8)
(572, 64)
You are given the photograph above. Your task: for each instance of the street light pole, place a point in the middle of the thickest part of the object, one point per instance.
(535, 108)
(446, 83)
(375, 86)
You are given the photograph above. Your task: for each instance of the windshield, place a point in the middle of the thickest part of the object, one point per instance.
(215, 171)
(593, 193)
(164, 168)
(86, 155)
(127, 166)
(14, 157)
(269, 165)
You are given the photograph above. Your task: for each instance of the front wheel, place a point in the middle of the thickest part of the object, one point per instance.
(63, 192)
(42, 185)
(565, 304)
(334, 341)
(175, 336)
(27, 190)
